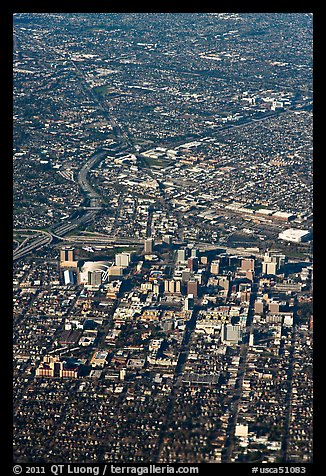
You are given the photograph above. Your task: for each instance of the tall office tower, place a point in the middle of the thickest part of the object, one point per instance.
(251, 339)
(280, 261)
(167, 239)
(272, 262)
(174, 287)
(171, 286)
(259, 306)
(273, 306)
(215, 267)
(94, 278)
(177, 287)
(267, 256)
(122, 259)
(122, 374)
(98, 277)
(233, 261)
(67, 258)
(193, 264)
(247, 264)
(157, 288)
(166, 285)
(192, 288)
(67, 254)
(149, 245)
(268, 267)
(269, 263)
(69, 277)
(194, 253)
(232, 333)
(189, 302)
(244, 287)
(244, 296)
(224, 282)
(181, 256)
(223, 259)
(63, 254)
(185, 275)
(203, 259)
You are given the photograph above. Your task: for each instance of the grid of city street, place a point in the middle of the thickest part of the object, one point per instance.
(162, 238)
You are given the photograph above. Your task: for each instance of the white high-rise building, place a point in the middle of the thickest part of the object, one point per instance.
(149, 245)
(215, 267)
(122, 259)
(189, 302)
(251, 339)
(181, 256)
(269, 267)
(69, 277)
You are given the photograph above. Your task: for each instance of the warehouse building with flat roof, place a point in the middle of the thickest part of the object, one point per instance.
(294, 235)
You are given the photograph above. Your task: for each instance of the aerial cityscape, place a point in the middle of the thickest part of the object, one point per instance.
(163, 238)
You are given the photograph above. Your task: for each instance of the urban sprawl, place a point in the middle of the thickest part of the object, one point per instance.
(162, 241)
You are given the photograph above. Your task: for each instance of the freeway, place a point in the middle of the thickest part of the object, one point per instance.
(122, 136)
(86, 187)
(23, 243)
(100, 240)
(55, 231)
(29, 237)
(35, 244)
(104, 105)
(59, 230)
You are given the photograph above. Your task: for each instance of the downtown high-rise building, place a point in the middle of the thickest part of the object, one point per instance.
(122, 259)
(149, 245)
(67, 254)
(192, 288)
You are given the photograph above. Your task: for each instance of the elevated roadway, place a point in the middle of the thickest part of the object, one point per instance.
(59, 230)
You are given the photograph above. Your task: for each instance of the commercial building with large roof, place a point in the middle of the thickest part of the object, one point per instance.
(294, 235)
(94, 267)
